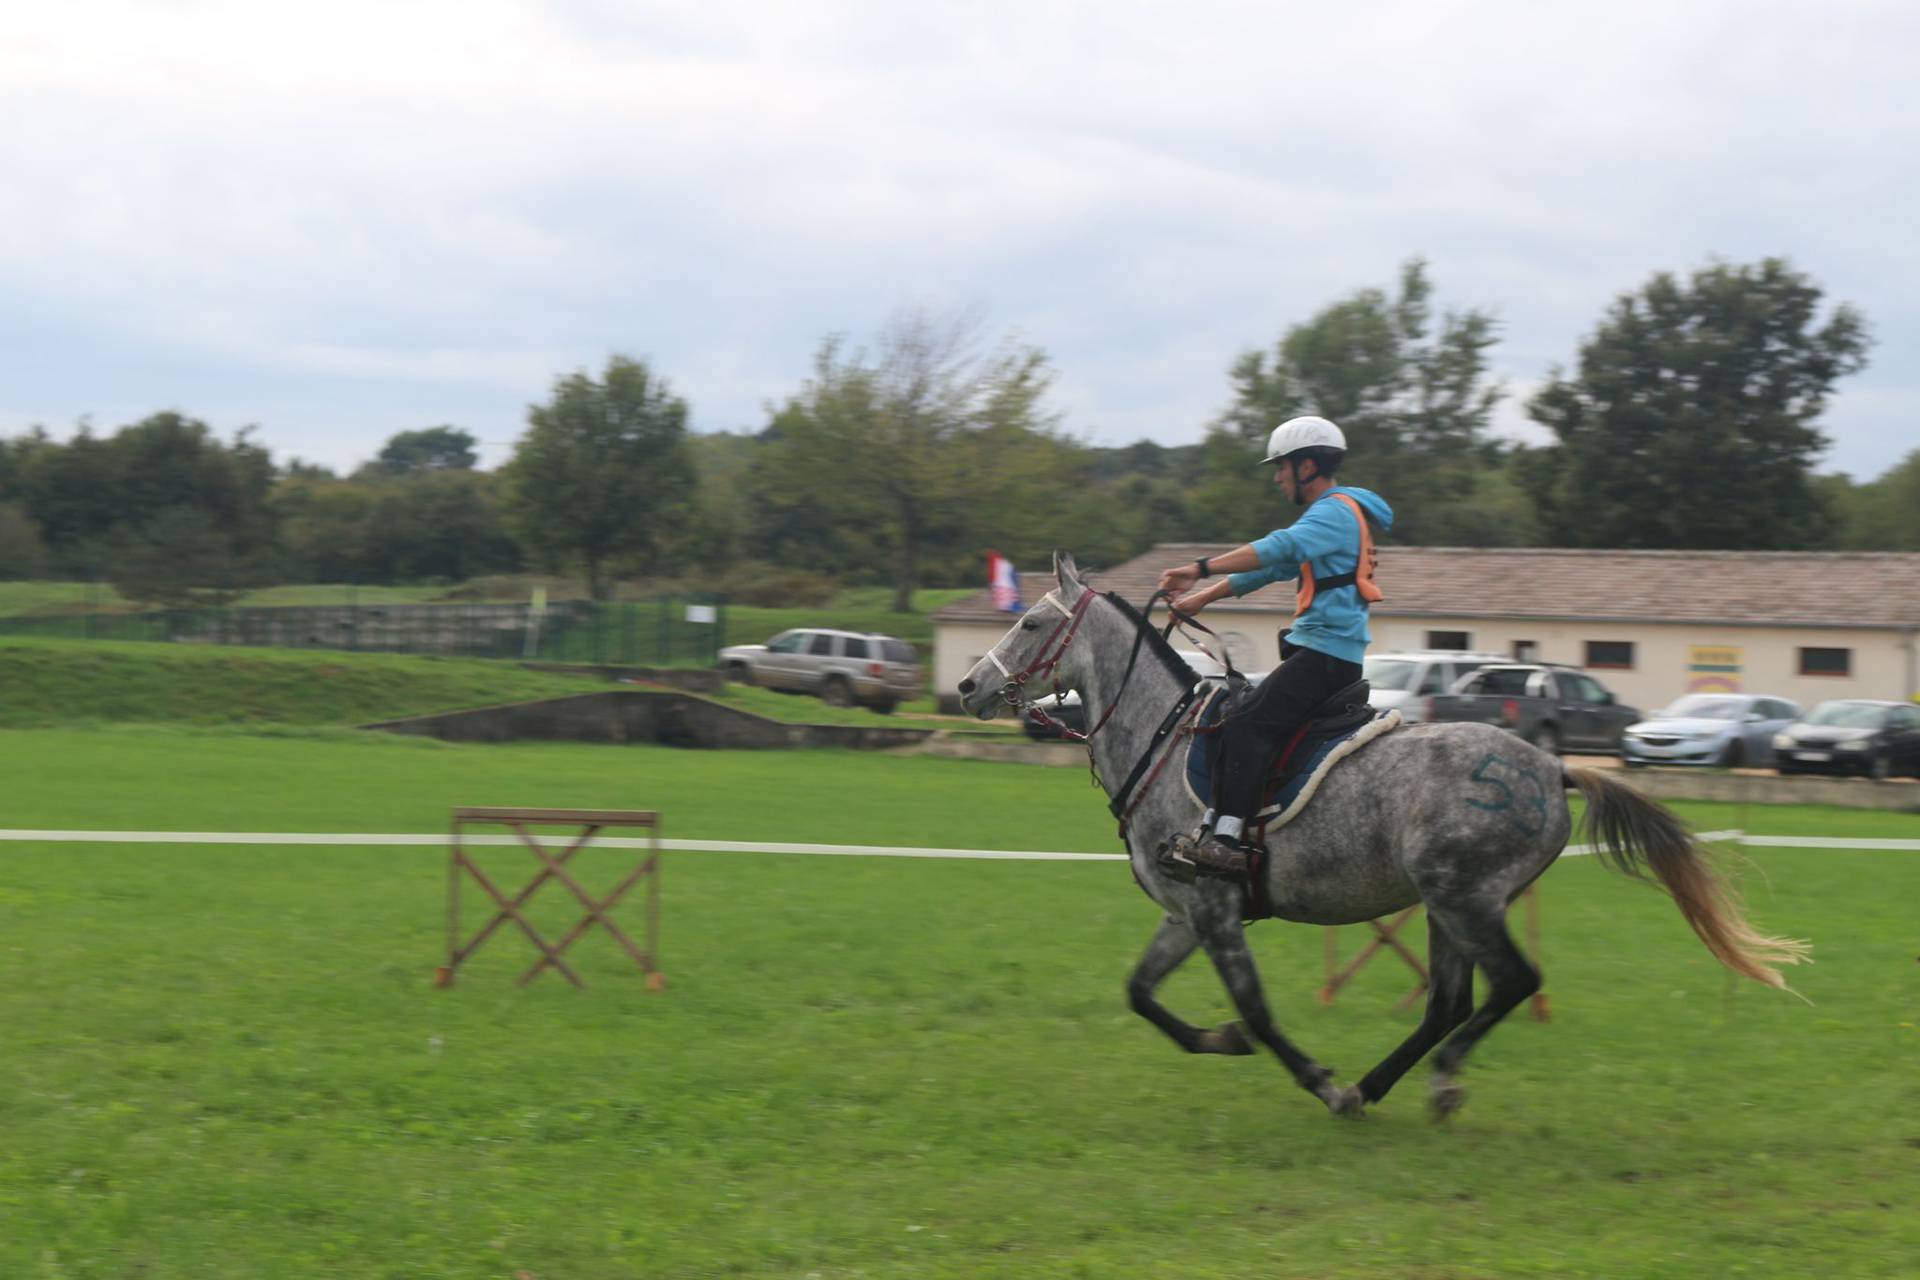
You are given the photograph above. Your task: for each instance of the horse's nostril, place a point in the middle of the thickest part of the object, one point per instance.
(966, 687)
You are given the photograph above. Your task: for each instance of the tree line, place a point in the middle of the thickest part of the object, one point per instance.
(1689, 418)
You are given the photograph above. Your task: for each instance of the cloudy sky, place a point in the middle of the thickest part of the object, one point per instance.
(342, 220)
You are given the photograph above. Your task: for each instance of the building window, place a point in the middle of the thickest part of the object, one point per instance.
(1449, 640)
(1610, 655)
(1826, 662)
(1526, 651)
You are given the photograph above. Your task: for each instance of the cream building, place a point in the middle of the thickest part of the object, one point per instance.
(1650, 625)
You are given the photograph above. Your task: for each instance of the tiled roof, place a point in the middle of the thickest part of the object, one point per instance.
(1755, 588)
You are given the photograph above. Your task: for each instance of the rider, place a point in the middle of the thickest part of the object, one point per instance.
(1320, 654)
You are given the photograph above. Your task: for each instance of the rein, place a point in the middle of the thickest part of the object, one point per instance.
(1047, 663)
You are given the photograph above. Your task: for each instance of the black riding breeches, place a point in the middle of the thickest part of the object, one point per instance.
(1251, 737)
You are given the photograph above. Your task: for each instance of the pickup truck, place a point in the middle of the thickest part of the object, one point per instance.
(1554, 708)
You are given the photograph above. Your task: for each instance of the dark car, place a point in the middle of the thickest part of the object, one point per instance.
(1852, 735)
(1555, 708)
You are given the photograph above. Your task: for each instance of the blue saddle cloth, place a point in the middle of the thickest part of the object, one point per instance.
(1282, 791)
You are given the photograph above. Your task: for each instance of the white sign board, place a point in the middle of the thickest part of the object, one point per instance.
(702, 613)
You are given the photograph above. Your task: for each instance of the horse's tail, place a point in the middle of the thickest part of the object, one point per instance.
(1632, 835)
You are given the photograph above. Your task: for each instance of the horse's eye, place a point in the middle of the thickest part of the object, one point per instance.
(1028, 625)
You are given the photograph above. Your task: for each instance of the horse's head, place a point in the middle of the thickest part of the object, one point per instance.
(1036, 655)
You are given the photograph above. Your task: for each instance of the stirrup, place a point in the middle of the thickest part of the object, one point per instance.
(1176, 858)
(1218, 856)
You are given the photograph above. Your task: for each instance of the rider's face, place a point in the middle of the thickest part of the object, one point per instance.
(1290, 484)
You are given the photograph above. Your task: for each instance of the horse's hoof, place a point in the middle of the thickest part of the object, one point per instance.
(1349, 1102)
(1229, 1038)
(1447, 1096)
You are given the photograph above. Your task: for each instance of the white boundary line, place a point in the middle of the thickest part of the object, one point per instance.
(751, 846)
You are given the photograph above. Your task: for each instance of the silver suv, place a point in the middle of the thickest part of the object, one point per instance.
(845, 668)
(1406, 681)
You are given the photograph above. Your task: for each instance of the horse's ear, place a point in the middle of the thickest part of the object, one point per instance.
(1065, 571)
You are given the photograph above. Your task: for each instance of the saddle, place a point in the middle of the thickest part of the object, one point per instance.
(1335, 721)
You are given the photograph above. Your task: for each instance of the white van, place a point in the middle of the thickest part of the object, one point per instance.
(1405, 681)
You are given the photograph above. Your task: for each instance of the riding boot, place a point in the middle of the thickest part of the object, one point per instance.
(1184, 858)
(1218, 856)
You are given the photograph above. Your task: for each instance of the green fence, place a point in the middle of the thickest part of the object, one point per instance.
(677, 631)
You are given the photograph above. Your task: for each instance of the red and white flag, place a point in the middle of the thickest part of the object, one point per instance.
(1004, 582)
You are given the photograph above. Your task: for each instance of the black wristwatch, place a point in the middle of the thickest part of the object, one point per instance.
(1201, 565)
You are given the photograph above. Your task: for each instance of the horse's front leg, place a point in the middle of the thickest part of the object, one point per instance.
(1170, 947)
(1215, 921)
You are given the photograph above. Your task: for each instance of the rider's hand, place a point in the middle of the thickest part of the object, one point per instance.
(1194, 601)
(1180, 577)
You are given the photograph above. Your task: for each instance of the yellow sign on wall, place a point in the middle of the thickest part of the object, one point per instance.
(1713, 668)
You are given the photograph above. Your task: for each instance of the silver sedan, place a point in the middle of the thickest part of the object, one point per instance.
(1723, 729)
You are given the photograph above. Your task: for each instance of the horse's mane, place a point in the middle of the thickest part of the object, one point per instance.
(1155, 641)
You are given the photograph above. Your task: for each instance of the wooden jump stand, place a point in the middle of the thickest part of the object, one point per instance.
(1386, 931)
(554, 867)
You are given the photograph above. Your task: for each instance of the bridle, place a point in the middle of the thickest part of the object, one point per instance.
(1046, 664)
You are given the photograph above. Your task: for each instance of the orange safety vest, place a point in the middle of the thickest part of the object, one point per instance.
(1361, 579)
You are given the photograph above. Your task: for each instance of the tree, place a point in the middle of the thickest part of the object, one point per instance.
(870, 459)
(442, 448)
(1691, 421)
(1881, 515)
(1415, 404)
(86, 493)
(438, 524)
(324, 529)
(23, 553)
(178, 557)
(602, 469)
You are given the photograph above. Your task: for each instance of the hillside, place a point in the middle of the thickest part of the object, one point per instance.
(46, 683)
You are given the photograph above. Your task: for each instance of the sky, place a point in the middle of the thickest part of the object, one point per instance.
(333, 222)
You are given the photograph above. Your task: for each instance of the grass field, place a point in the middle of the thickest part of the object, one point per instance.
(227, 1061)
(50, 683)
(59, 682)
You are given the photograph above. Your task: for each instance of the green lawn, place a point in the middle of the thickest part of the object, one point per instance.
(54, 683)
(61, 682)
(228, 1061)
(68, 597)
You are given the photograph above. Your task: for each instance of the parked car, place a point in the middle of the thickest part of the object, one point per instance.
(1852, 735)
(1064, 709)
(843, 668)
(1408, 682)
(1555, 708)
(1724, 729)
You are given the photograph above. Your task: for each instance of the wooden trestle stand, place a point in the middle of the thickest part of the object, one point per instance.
(1386, 937)
(554, 867)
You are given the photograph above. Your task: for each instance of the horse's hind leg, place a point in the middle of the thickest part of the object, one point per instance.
(1449, 1002)
(1169, 949)
(1481, 933)
(1217, 923)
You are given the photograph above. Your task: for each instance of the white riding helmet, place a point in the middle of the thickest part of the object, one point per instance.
(1302, 433)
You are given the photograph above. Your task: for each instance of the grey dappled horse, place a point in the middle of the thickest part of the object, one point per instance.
(1460, 817)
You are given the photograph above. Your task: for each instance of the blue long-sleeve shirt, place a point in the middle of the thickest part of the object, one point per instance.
(1326, 536)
